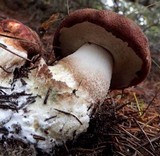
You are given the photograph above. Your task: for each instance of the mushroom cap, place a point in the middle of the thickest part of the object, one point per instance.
(124, 40)
(26, 37)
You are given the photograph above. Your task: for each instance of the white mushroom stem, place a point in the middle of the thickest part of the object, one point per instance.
(91, 68)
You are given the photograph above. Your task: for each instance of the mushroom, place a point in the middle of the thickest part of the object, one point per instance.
(98, 51)
(99, 46)
(17, 43)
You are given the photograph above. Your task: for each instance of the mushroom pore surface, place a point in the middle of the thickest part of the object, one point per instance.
(126, 62)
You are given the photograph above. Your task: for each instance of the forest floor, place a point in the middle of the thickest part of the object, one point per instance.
(128, 123)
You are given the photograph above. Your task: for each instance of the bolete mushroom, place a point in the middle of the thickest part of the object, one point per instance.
(88, 34)
(96, 47)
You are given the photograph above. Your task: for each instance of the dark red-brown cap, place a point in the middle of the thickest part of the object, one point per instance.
(21, 34)
(119, 35)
